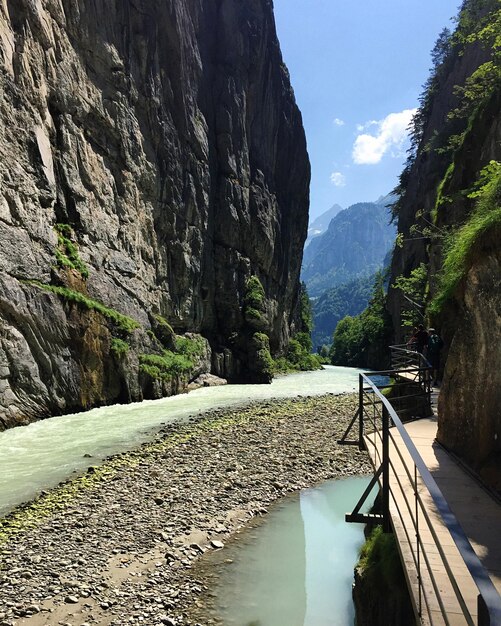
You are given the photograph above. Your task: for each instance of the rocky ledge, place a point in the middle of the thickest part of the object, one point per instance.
(118, 545)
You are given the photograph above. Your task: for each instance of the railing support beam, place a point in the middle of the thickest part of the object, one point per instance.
(360, 412)
(386, 471)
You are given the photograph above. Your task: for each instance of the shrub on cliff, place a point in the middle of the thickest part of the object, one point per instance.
(166, 366)
(254, 309)
(261, 359)
(461, 243)
(380, 592)
(67, 251)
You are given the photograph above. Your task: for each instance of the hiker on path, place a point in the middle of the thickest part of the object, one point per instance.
(421, 339)
(411, 344)
(435, 344)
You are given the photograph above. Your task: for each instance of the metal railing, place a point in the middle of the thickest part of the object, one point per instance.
(406, 483)
(403, 357)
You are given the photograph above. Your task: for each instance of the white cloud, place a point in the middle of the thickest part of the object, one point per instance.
(390, 135)
(367, 125)
(338, 122)
(338, 179)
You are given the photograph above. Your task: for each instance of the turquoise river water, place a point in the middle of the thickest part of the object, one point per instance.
(40, 455)
(296, 568)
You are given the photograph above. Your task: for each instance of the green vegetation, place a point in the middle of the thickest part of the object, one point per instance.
(119, 347)
(67, 252)
(192, 348)
(166, 366)
(461, 243)
(362, 341)
(348, 299)
(254, 304)
(414, 288)
(123, 322)
(441, 198)
(163, 331)
(380, 560)
(172, 364)
(299, 355)
(254, 293)
(263, 360)
(454, 154)
(479, 22)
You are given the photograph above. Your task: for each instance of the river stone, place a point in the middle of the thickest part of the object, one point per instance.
(71, 599)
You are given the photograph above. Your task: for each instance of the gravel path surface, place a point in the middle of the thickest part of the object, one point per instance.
(118, 545)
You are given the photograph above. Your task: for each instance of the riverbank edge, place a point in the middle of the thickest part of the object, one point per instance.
(32, 517)
(380, 593)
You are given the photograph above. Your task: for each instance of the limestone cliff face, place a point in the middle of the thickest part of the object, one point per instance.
(162, 136)
(438, 201)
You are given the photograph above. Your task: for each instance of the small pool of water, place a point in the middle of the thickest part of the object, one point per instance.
(295, 569)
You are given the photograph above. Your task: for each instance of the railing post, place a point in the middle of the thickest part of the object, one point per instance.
(483, 612)
(386, 470)
(360, 412)
(418, 550)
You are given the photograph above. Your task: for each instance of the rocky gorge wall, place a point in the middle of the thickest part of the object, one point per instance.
(153, 159)
(449, 221)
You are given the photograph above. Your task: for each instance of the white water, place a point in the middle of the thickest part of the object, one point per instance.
(42, 454)
(296, 569)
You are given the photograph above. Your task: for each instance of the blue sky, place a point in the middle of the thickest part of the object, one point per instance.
(357, 68)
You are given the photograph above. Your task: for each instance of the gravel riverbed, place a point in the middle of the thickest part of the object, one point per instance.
(121, 543)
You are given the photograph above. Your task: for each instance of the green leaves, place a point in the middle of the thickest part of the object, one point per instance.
(361, 341)
(123, 322)
(165, 366)
(461, 243)
(414, 288)
(67, 251)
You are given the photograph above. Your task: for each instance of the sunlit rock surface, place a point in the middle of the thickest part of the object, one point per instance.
(166, 135)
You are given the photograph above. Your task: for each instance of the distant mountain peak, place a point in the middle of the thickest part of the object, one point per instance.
(320, 224)
(354, 244)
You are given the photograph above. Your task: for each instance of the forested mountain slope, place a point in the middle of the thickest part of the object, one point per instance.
(354, 245)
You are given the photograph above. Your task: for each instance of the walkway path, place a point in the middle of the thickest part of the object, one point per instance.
(477, 512)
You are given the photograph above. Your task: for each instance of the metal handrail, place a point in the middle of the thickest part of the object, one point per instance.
(490, 603)
(404, 352)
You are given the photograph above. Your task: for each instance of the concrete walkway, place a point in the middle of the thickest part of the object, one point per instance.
(477, 512)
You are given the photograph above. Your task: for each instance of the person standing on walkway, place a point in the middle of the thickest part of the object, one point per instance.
(411, 344)
(435, 344)
(421, 339)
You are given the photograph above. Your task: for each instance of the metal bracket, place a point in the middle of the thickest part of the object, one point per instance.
(343, 441)
(363, 518)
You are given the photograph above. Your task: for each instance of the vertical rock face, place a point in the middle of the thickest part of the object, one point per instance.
(163, 138)
(439, 201)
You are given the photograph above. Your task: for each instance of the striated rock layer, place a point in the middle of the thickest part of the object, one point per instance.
(162, 136)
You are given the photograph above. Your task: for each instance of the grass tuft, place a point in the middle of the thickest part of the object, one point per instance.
(67, 252)
(461, 243)
(125, 323)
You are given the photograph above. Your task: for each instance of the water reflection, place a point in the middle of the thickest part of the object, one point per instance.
(297, 568)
